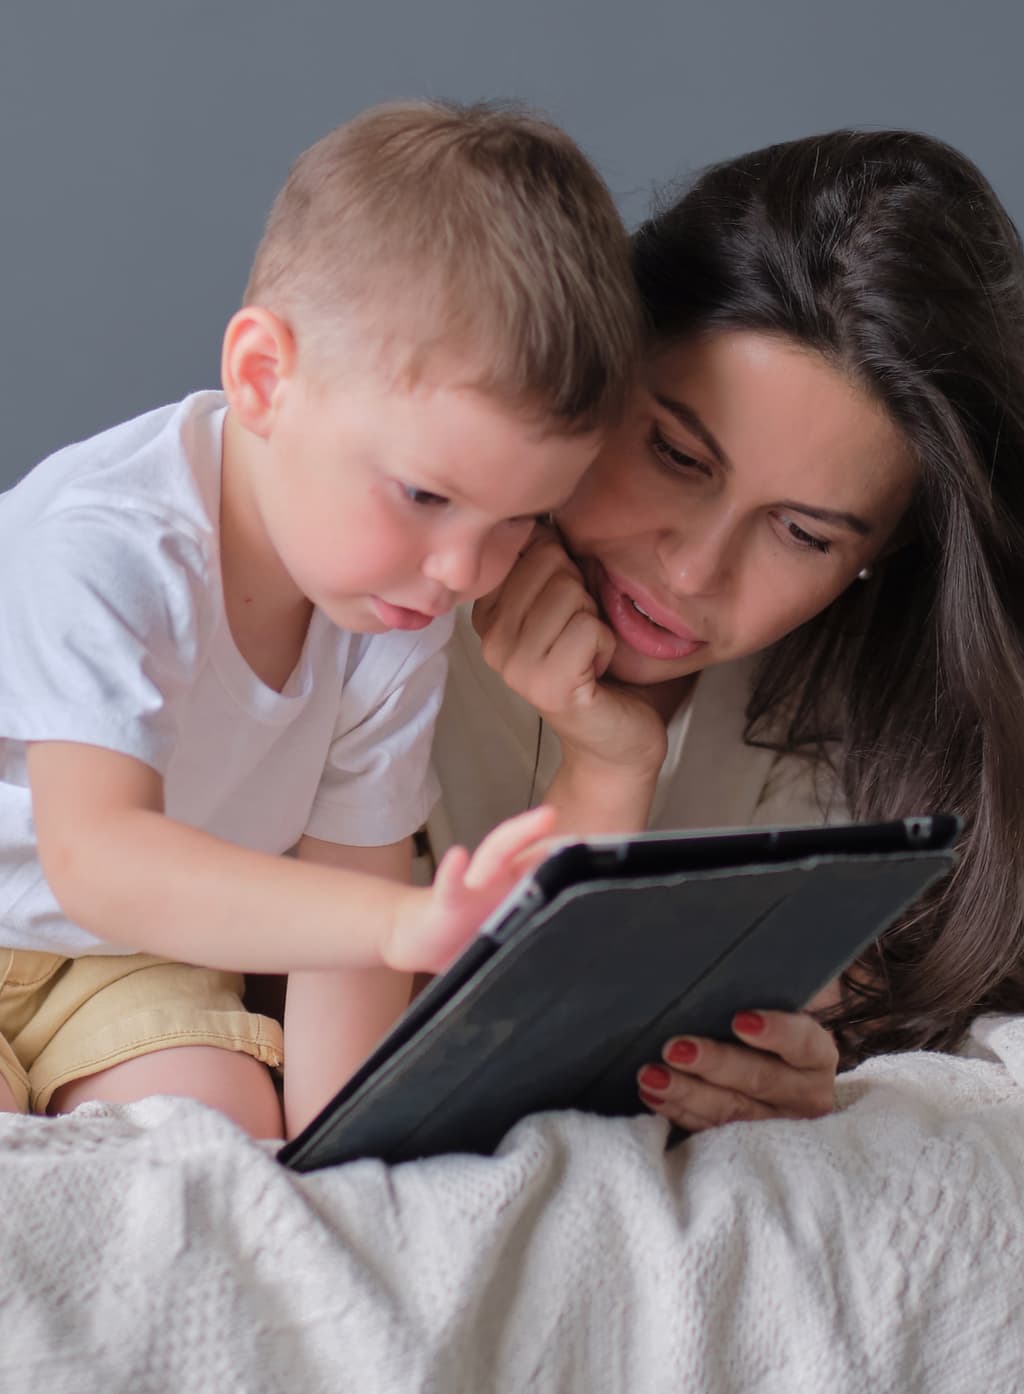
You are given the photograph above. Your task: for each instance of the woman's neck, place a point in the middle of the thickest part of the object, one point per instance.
(668, 697)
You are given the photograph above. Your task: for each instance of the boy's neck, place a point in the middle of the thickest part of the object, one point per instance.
(267, 613)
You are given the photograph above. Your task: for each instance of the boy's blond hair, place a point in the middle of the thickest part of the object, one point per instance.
(482, 231)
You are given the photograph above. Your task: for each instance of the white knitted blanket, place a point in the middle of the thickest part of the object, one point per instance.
(154, 1248)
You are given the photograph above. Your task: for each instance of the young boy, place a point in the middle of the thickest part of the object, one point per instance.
(221, 623)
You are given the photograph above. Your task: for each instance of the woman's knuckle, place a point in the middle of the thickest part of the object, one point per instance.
(562, 587)
(732, 1108)
(759, 1079)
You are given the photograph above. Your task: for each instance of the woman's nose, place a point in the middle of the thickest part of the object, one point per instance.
(695, 562)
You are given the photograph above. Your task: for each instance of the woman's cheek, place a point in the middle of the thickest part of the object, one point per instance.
(598, 509)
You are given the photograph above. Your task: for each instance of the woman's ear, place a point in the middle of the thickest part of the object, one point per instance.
(258, 359)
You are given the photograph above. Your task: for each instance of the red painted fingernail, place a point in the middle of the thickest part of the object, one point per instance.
(748, 1023)
(681, 1053)
(654, 1077)
(650, 1100)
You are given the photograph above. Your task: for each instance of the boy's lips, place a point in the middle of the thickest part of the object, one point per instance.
(656, 633)
(399, 617)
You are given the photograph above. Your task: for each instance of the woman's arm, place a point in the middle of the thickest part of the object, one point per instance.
(542, 633)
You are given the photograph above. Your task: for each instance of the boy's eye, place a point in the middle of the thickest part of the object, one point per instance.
(673, 458)
(423, 497)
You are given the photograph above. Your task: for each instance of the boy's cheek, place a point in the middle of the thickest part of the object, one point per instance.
(500, 560)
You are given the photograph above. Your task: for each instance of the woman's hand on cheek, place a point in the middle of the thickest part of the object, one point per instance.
(783, 1066)
(542, 633)
(540, 630)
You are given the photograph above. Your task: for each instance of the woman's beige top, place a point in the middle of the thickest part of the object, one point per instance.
(486, 745)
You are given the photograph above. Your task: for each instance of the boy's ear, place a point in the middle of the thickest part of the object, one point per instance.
(258, 358)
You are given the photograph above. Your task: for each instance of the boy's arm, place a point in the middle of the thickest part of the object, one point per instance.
(334, 1018)
(124, 871)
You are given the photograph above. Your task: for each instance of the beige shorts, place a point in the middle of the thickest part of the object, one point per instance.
(63, 1018)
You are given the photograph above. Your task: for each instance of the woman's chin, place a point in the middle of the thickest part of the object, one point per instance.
(640, 670)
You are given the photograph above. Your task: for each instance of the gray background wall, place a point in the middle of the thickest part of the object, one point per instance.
(141, 141)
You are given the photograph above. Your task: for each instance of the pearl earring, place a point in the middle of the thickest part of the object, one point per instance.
(864, 574)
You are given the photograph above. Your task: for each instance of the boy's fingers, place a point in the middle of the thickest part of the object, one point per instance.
(451, 871)
(507, 842)
(536, 853)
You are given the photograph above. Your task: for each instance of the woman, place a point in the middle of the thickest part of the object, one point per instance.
(793, 585)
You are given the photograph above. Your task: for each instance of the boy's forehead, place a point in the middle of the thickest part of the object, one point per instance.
(451, 399)
(484, 452)
(464, 444)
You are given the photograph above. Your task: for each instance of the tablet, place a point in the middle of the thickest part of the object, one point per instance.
(606, 950)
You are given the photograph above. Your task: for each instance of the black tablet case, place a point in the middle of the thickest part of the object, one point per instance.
(578, 996)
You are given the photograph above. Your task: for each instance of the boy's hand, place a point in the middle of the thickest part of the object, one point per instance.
(432, 926)
(541, 632)
(785, 1067)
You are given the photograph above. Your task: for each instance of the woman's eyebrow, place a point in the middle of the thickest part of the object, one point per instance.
(689, 418)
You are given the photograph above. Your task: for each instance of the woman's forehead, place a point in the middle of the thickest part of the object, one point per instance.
(763, 403)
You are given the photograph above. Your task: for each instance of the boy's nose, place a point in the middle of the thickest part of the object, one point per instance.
(457, 568)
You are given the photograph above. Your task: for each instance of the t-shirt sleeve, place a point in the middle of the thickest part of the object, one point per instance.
(377, 786)
(100, 630)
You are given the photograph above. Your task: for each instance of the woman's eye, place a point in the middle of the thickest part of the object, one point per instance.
(423, 497)
(673, 458)
(804, 539)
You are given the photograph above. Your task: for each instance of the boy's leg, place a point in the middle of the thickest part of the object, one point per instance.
(228, 1080)
(333, 1019)
(122, 1027)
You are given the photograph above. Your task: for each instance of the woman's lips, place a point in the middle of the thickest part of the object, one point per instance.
(656, 634)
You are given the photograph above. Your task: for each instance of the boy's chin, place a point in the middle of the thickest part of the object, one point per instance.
(357, 615)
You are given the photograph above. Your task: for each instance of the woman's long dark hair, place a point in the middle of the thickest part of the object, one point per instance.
(889, 254)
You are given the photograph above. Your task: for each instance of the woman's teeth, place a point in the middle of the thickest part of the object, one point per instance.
(640, 610)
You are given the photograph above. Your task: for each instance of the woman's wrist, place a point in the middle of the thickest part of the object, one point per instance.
(594, 796)
(635, 763)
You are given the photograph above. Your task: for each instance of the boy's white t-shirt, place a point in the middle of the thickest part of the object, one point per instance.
(113, 633)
